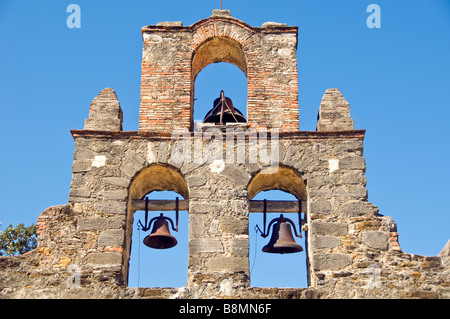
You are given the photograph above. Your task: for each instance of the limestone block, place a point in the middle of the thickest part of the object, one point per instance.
(352, 162)
(117, 181)
(234, 225)
(120, 194)
(236, 175)
(331, 261)
(79, 192)
(329, 228)
(100, 223)
(104, 259)
(325, 242)
(205, 245)
(239, 247)
(112, 237)
(227, 264)
(376, 239)
(321, 207)
(111, 207)
(358, 208)
(196, 180)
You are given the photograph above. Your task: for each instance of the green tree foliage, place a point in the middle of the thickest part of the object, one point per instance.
(18, 240)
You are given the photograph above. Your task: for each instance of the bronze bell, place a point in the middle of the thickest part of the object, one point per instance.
(224, 112)
(282, 240)
(160, 237)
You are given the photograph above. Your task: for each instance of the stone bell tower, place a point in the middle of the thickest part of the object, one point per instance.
(173, 55)
(352, 251)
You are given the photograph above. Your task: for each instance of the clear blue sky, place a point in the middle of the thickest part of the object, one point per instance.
(396, 78)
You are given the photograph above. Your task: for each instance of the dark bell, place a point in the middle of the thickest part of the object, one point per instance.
(224, 112)
(282, 241)
(160, 237)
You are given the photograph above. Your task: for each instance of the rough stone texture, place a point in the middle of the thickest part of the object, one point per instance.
(334, 112)
(105, 113)
(84, 246)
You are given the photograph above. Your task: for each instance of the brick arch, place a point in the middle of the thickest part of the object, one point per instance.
(283, 178)
(218, 49)
(158, 177)
(220, 40)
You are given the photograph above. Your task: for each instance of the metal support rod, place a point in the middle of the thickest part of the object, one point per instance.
(255, 206)
(300, 217)
(176, 216)
(265, 215)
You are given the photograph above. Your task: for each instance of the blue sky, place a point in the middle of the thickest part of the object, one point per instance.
(396, 79)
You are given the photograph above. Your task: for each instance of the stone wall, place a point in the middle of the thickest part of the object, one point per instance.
(352, 249)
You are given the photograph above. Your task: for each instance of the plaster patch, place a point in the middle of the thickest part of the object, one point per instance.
(217, 166)
(99, 161)
(333, 165)
(151, 153)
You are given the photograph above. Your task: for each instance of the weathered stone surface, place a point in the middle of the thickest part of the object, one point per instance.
(111, 207)
(221, 13)
(114, 195)
(205, 245)
(100, 223)
(117, 181)
(358, 208)
(325, 242)
(227, 264)
(445, 252)
(329, 228)
(239, 247)
(334, 112)
(234, 225)
(321, 207)
(236, 175)
(331, 261)
(421, 294)
(104, 259)
(196, 180)
(79, 192)
(105, 113)
(112, 237)
(376, 239)
(353, 163)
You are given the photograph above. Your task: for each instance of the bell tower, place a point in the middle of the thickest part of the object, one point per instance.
(174, 54)
(351, 250)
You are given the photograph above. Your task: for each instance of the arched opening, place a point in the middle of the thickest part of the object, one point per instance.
(147, 267)
(218, 49)
(276, 270)
(211, 81)
(218, 64)
(159, 267)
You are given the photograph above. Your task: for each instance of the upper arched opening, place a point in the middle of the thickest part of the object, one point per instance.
(218, 49)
